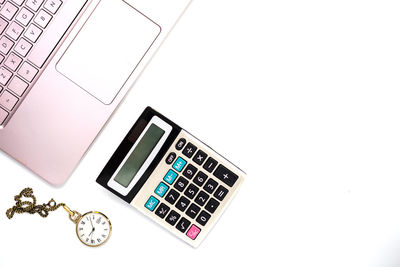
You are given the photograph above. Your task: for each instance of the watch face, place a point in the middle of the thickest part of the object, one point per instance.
(93, 229)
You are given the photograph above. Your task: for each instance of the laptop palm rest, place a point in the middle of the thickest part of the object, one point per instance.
(106, 52)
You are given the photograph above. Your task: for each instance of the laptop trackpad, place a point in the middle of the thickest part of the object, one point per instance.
(108, 49)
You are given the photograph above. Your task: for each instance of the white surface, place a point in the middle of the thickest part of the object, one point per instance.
(303, 95)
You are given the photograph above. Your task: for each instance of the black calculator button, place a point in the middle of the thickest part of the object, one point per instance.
(221, 193)
(182, 203)
(183, 225)
(180, 144)
(200, 178)
(170, 159)
(191, 191)
(162, 210)
(210, 186)
(202, 198)
(200, 157)
(203, 218)
(189, 150)
(212, 205)
(172, 217)
(210, 164)
(225, 175)
(172, 196)
(190, 171)
(193, 210)
(181, 184)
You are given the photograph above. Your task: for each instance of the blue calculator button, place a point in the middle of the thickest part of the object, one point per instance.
(161, 189)
(152, 203)
(179, 164)
(170, 176)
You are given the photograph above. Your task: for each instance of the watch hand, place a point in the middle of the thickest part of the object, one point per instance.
(91, 222)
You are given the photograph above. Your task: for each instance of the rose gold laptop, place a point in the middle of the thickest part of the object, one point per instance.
(65, 65)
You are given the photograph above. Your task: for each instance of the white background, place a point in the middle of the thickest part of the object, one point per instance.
(302, 95)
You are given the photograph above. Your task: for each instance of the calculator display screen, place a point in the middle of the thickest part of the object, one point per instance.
(139, 155)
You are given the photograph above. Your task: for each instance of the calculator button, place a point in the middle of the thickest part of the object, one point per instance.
(225, 175)
(203, 218)
(183, 225)
(180, 144)
(182, 203)
(170, 159)
(212, 205)
(202, 198)
(193, 211)
(210, 186)
(210, 164)
(161, 189)
(181, 184)
(191, 191)
(193, 232)
(162, 210)
(172, 217)
(221, 193)
(172, 196)
(189, 150)
(179, 164)
(190, 171)
(200, 178)
(152, 203)
(200, 157)
(170, 176)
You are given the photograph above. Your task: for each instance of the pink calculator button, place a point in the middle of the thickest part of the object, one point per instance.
(193, 232)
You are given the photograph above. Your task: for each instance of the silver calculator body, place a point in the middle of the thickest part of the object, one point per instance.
(172, 177)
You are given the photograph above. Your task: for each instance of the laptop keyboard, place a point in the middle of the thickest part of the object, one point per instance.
(23, 23)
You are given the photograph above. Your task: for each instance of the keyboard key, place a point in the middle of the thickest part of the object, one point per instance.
(189, 150)
(212, 205)
(170, 176)
(210, 186)
(172, 196)
(34, 4)
(182, 203)
(5, 75)
(24, 16)
(202, 198)
(162, 210)
(43, 18)
(221, 193)
(8, 10)
(14, 31)
(225, 175)
(173, 217)
(8, 101)
(203, 218)
(152, 203)
(23, 47)
(170, 159)
(191, 191)
(18, 86)
(181, 184)
(189, 171)
(183, 225)
(3, 25)
(27, 72)
(3, 115)
(33, 33)
(200, 178)
(5, 45)
(13, 61)
(210, 164)
(161, 189)
(200, 157)
(179, 164)
(52, 5)
(180, 144)
(18, 2)
(1, 58)
(193, 211)
(193, 232)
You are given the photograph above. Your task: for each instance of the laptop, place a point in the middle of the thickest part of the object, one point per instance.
(65, 65)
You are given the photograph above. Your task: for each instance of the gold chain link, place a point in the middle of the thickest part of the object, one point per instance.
(25, 206)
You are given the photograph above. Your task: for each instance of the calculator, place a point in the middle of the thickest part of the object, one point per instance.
(172, 177)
